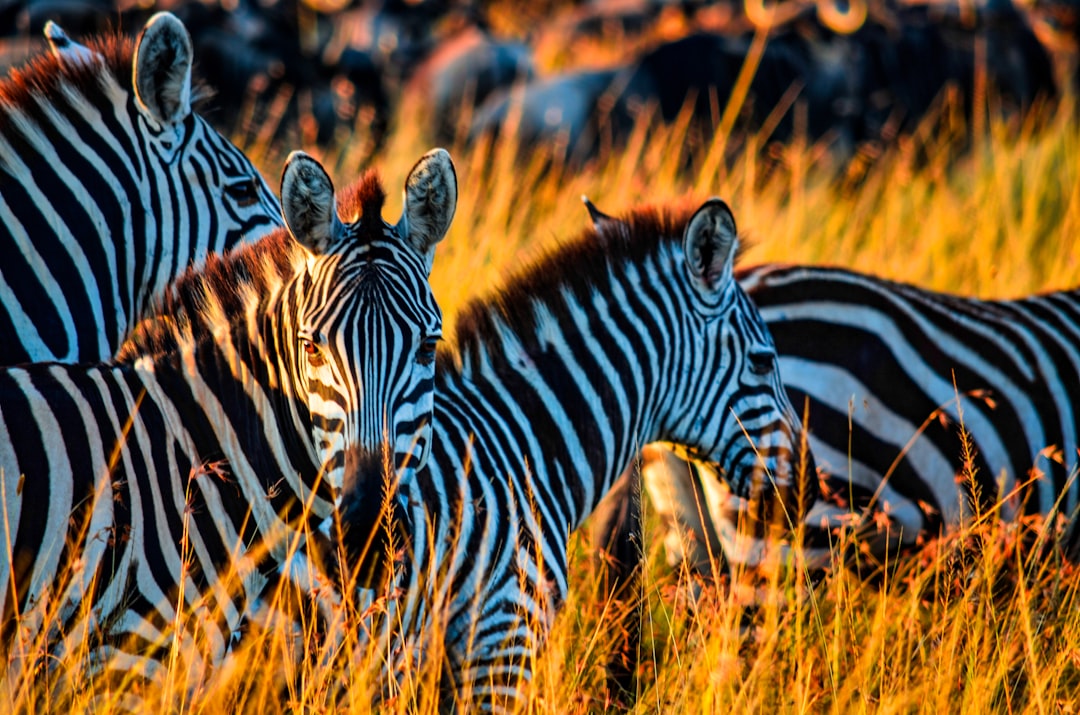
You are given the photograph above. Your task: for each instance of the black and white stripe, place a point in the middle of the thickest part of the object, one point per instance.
(888, 369)
(634, 333)
(110, 187)
(265, 387)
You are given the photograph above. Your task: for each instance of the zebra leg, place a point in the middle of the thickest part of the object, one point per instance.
(677, 491)
(617, 537)
(617, 560)
(716, 535)
(677, 498)
(693, 498)
(615, 529)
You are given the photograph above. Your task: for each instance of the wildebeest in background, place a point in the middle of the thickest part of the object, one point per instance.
(80, 17)
(703, 68)
(844, 89)
(330, 72)
(579, 112)
(270, 78)
(460, 73)
(902, 70)
(560, 114)
(269, 71)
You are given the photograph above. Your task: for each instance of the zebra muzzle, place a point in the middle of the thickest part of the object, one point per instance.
(785, 487)
(372, 525)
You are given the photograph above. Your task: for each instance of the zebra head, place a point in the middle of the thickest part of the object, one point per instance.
(188, 148)
(203, 194)
(730, 408)
(366, 323)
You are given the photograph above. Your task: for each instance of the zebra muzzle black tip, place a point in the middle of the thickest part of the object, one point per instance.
(374, 524)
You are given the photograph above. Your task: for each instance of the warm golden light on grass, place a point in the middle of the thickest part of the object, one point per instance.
(959, 629)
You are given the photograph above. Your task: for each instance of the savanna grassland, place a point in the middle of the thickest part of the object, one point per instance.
(956, 629)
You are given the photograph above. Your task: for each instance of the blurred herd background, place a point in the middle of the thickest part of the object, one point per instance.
(571, 80)
(808, 116)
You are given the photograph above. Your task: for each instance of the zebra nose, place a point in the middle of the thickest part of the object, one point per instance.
(366, 472)
(373, 524)
(786, 485)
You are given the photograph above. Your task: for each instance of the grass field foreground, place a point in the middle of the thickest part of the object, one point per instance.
(959, 630)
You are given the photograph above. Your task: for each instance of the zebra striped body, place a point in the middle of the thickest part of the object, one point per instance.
(891, 371)
(635, 333)
(110, 187)
(186, 477)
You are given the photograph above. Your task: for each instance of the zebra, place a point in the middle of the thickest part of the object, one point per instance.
(635, 332)
(896, 378)
(184, 476)
(110, 187)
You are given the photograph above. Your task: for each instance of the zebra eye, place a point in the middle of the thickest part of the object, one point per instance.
(244, 193)
(762, 363)
(426, 354)
(315, 358)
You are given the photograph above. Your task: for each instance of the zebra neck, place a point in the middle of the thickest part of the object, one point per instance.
(104, 156)
(575, 396)
(158, 243)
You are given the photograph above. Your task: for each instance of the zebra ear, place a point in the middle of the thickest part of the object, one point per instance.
(308, 205)
(162, 70)
(598, 217)
(709, 244)
(65, 49)
(430, 202)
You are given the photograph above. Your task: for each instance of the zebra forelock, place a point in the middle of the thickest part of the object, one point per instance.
(363, 202)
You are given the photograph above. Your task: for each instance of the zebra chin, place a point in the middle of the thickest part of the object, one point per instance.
(783, 479)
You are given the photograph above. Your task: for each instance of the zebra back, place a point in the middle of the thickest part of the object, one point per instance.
(913, 368)
(897, 379)
(110, 187)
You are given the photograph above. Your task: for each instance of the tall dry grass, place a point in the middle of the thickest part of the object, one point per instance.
(990, 629)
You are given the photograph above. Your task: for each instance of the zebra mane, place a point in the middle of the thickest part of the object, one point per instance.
(45, 74)
(201, 299)
(578, 267)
